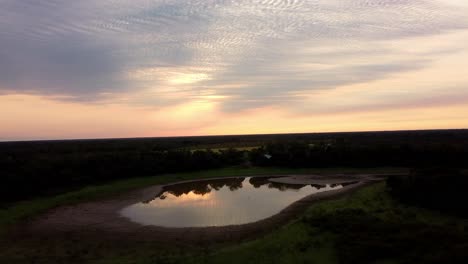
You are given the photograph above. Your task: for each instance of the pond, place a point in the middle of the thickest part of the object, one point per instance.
(219, 202)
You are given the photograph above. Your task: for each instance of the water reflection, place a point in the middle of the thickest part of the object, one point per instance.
(202, 187)
(220, 202)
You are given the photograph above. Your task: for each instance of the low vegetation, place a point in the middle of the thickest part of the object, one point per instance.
(23, 210)
(441, 189)
(421, 218)
(32, 169)
(366, 227)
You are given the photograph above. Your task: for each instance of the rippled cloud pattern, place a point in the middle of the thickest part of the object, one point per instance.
(241, 54)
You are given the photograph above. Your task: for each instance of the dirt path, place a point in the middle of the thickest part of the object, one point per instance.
(101, 219)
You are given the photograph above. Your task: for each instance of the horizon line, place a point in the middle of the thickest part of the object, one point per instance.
(232, 135)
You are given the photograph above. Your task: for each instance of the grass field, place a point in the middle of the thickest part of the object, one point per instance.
(25, 209)
(365, 227)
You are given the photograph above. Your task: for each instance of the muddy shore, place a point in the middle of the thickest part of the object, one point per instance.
(101, 219)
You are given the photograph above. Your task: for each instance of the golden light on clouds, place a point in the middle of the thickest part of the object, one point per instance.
(187, 78)
(187, 115)
(185, 68)
(171, 76)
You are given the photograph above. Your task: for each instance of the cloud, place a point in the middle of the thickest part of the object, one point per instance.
(252, 53)
(69, 67)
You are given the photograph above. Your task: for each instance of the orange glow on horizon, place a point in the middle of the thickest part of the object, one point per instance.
(34, 117)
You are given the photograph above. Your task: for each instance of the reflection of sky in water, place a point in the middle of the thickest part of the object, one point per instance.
(219, 207)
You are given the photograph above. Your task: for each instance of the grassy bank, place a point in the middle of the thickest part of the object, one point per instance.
(300, 241)
(366, 227)
(25, 209)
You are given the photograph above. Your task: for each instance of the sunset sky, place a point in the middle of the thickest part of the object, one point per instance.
(141, 68)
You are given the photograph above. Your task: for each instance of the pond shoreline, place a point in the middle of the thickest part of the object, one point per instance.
(101, 219)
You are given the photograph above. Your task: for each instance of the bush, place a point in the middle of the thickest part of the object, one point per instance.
(361, 237)
(439, 189)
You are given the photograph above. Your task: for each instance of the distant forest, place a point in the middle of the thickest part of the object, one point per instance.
(29, 169)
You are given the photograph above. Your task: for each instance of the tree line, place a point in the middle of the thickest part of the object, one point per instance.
(42, 168)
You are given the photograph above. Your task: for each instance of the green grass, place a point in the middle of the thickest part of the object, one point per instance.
(25, 209)
(361, 228)
(290, 244)
(365, 227)
(296, 242)
(370, 227)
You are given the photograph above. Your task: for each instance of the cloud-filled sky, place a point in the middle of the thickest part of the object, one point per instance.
(129, 68)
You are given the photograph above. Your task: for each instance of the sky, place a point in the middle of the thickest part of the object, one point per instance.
(141, 68)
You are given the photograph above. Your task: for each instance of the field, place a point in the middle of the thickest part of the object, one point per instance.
(29, 208)
(404, 219)
(41, 168)
(365, 227)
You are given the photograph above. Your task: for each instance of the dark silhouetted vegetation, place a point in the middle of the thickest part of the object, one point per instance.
(442, 189)
(29, 169)
(366, 238)
(350, 154)
(46, 170)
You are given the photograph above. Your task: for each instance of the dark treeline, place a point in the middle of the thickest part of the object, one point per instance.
(29, 169)
(342, 154)
(33, 173)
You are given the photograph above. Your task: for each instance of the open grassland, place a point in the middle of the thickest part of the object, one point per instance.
(48, 168)
(25, 209)
(365, 227)
(374, 225)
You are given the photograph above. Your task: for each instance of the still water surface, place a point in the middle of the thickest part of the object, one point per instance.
(219, 202)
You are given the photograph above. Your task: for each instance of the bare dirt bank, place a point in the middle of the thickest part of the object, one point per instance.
(101, 219)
